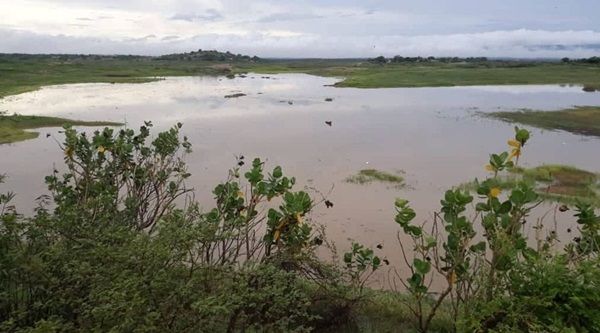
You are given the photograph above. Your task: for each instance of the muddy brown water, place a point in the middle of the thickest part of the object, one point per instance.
(433, 135)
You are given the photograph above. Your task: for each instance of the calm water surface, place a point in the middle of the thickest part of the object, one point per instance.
(434, 135)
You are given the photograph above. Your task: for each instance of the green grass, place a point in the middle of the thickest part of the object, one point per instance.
(20, 74)
(28, 74)
(557, 183)
(367, 176)
(9, 135)
(584, 120)
(387, 311)
(13, 128)
(361, 74)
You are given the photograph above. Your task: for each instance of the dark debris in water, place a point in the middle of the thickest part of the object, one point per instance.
(236, 95)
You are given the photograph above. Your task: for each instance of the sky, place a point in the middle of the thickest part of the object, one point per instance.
(305, 28)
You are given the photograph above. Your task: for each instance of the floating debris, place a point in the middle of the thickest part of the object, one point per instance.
(328, 99)
(328, 123)
(236, 95)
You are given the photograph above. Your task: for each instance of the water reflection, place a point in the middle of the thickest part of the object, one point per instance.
(433, 134)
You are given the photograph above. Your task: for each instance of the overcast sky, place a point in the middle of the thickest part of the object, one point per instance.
(306, 28)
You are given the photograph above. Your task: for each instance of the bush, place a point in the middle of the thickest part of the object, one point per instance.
(120, 245)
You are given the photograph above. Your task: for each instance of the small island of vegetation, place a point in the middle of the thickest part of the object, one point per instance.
(584, 120)
(13, 128)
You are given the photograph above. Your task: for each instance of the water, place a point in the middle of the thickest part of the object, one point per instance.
(434, 135)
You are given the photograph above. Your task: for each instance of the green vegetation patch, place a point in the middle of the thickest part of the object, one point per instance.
(364, 74)
(367, 176)
(13, 127)
(8, 135)
(558, 183)
(21, 73)
(584, 120)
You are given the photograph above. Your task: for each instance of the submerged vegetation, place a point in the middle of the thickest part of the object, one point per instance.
(13, 127)
(367, 176)
(121, 245)
(557, 183)
(584, 120)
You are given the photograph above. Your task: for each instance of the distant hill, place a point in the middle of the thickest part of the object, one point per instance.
(203, 55)
(209, 55)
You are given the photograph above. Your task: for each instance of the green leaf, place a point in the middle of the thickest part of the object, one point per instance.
(482, 207)
(421, 266)
(504, 208)
(522, 135)
(348, 257)
(479, 247)
(376, 262)
(277, 173)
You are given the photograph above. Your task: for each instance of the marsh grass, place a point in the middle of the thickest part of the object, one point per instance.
(591, 87)
(558, 183)
(20, 73)
(361, 74)
(387, 311)
(584, 120)
(13, 128)
(9, 135)
(367, 176)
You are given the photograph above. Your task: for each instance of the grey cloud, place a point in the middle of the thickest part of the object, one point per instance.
(562, 47)
(141, 39)
(208, 15)
(518, 43)
(278, 17)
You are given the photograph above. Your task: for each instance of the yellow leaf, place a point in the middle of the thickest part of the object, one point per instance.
(299, 218)
(515, 153)
(495, 192)
(490, 168)
(277, 235)
(240, 194)
(514, 143)
(101, 149)
(281, 225)
(452, 278)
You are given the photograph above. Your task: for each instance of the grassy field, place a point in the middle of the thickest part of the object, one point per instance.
(27, 74)
(583, 120)
(14, 128)
(367, 75)
(21, 74)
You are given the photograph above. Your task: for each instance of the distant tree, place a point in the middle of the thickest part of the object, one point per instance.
(379, 60)
(565, 59)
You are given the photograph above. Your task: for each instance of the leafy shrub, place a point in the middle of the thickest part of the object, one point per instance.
(501, 284)
(120, 245)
